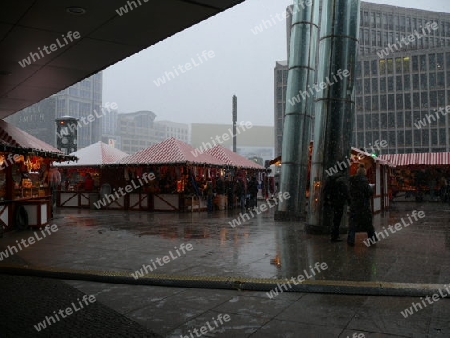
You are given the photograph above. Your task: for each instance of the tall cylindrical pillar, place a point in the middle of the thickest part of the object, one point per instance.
(299, 109)
(335, 105)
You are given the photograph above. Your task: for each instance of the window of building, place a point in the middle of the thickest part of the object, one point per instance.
(374, 85)
(382, 64)
(390, 66)
(375, 102)
(433, 98)
(398, 82)
(378, 20)
(407, 85)
(390, 22)
(407, 101)
(383, 120)
(423, 81)
(390, 83)
(440, 80)
(374, 67)
(366, 19)
(423, 63)
(359, 103)
(441, 98)
(442, 136)
(425, 137)
(375, 121)
(432, 62)
(400, 138)
(408, 138)
(416, 100)
(383, 102)
(367, 86)
(359, 86)
(367, 103)
(434, 136)
(415, 63)
(416, 82)
(366, 68)
(360, 121)
(424, 97)
(384, 21)
(391, 102)
(382, 85)
(391, 140)
(399, 101)
(417, 137)
(407, 119)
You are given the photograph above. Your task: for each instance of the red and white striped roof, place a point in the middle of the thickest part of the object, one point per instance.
(18, 138)
(171, 151)
(418, 159)
(233, 159)
(96, 154)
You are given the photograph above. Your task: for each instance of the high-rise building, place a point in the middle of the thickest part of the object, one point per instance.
(79, 100)
(402, 75)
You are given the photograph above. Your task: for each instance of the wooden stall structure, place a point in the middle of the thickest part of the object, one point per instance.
(81, 180)
(25, 196)
(420, 176)
(179, 172)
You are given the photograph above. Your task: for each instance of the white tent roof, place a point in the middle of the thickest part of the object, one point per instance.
(95, 155)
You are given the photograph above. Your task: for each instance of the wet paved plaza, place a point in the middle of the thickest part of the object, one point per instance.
(258, 248)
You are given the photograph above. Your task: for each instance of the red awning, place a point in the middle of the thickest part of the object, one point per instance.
(418, 159)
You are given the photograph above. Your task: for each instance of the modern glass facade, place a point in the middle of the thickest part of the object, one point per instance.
(78, 100)
(402, 76)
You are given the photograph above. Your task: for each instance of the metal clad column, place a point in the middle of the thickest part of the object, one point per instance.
(335, 105)
(299, 109)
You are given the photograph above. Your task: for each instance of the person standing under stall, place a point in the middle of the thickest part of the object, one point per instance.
(54, 180)
(88, 182)
(360, 211)
(253, 192)
(336, 196)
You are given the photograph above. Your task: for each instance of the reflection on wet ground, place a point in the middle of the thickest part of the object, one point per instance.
(260, 247)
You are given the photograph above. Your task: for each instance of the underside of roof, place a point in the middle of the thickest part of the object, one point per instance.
(46, 48)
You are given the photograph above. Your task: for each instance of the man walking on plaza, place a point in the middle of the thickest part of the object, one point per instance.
(336, 196)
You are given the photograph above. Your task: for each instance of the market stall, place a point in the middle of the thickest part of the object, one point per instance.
(378, 173)
(81, 180)
(420, 176)
(25, 196)
(242, 168)
(180, 173)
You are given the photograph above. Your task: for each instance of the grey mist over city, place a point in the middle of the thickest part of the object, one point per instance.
(225, 168)
(243, 66)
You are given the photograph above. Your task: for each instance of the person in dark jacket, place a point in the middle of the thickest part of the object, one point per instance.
(360, 210)
(336, 196)
(253, 192)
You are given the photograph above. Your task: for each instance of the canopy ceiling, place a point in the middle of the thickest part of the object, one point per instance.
(106, 37)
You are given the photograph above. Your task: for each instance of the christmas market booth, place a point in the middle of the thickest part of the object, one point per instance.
(378, 173)
(420, 176)
(25, 196)
(239, 167)
(81, 180)
(178, 174)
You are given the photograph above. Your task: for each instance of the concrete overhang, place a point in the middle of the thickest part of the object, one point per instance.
(105, 37)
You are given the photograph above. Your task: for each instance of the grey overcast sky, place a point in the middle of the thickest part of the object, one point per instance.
(242, 64)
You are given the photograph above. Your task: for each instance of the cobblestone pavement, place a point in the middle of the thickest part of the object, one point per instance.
(261, 248)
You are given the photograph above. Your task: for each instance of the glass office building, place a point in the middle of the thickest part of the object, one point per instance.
(402, 76)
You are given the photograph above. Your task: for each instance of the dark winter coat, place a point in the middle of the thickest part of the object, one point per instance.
(360, 210)
(336, 191)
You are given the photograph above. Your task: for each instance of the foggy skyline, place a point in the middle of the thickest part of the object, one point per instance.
(192, 76)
